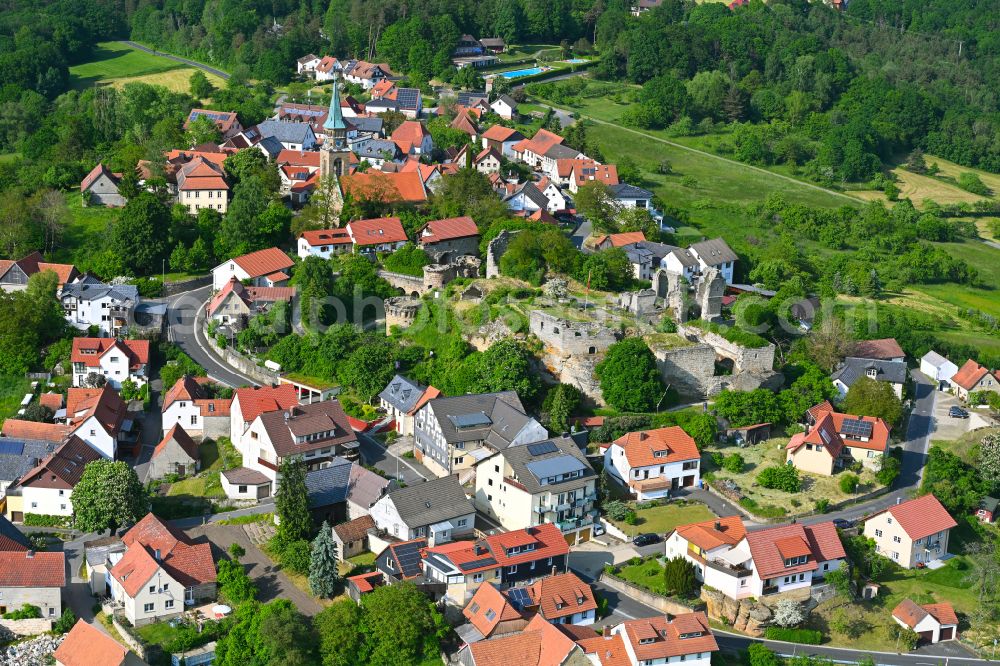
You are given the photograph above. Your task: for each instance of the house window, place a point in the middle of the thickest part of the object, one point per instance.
(896, 539)
(168, 604)
(194, 419)
(152, 589)
(52, 612)
(242, 489)
(62, 507)
(512, 569)
(878, 533)
(62, 493)
(463, 522)
(477, 578)
(34, 505)
(147, 608)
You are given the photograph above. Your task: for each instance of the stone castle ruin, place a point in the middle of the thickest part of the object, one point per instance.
(571, 349)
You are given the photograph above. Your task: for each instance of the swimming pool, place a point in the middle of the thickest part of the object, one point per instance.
(518, 73)
(575, 61)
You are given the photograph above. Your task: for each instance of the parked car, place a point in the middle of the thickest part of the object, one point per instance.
(843, 523)
(646, 539)
(958, 413)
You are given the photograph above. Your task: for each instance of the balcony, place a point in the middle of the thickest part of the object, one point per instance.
(723, 567)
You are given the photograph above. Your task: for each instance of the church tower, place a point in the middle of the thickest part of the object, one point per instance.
(334, 156)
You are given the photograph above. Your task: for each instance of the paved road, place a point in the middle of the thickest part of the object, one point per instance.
(181, 310)
(192, 63)
(390, 464)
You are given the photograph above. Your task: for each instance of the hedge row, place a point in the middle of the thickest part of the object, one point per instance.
(804, 636)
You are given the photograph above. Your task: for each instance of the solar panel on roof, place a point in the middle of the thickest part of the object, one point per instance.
(474, 420)
(475, 564)
(541, 448)
(11, 448)
(856, 428)
(519, 598)
(407, 98)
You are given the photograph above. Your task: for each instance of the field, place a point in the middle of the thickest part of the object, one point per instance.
(83, 224)
(116, 64)
(918, 187)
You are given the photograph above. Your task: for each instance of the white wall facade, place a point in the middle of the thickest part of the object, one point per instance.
(93, 433)
(47, 501)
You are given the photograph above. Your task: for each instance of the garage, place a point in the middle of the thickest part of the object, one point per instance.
(926, 636)
(947, 633)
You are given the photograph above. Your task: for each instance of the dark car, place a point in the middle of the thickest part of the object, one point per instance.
(958, 413)
(646, 539)
(843, 523)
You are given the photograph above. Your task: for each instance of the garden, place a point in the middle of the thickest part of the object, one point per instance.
(659, 516)
(198, 494)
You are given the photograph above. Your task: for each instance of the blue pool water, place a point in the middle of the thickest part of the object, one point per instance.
(575, 61)
(518, 73)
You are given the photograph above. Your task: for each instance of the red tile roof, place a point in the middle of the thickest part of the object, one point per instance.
(911, 614)
(502, 134)
(969, 375)
(264, 262)
(438, 231)
(53, 401)
(820, 541)
(256, 401)
(317, 237)
(354, 530)
(32, 569)
(89, 351)
(187, 563)
(540, 644)
(368, 581)
(488, 608)
(671, 443)
(672, 636)
(48, 432)
(377, 231)
(299, 158)
(411, 131)
(326, 419)
(921, 517)
(95, 173)
(943, 612)
(179, 435)
(86, 645)
(622, 239)
(538, 144)
(609, 650)
(104, 404)
(468, 555)
(884, 349)
(561, 595)
(711, 534)
(224, 120)
(385, 187)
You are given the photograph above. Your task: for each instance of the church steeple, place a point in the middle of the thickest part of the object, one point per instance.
(335, 117)
(335, 155)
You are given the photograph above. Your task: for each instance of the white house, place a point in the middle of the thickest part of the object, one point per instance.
(89, 302)
(115, 360)
(715, 253)
(853, 369)
(502, 139)
(291, 135)
(911, 533)
(504, 106)
(187, 404)
(437, 510)
(47, 488)
(263, 268)
(744, 564)
(668, 639)
(307, 64)
(937, 367)
(324, 243)
(249, 403)
(318, 432)
(160, 573)
(544, 482)
(384, 234)
(651, 463)
(932, 622)
(401, 399)
(556, 199)
(98, 417)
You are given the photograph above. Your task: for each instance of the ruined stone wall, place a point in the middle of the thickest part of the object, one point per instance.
(495, 250)
(690, 370)
(570, 337)
(745, 359)
(400, 311)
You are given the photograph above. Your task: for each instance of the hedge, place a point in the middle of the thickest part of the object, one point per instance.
(46, 520)
(804, 636)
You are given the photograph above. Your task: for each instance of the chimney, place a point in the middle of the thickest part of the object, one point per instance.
(718, 525)
(30, 554)
(899, 500)
(669, 617)
(553, 570)
(643, 436)
(607, 632)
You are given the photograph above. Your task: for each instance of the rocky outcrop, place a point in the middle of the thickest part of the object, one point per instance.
(35, 652)
(745, 615)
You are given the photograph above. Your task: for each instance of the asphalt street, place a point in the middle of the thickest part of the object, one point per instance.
(181, 311)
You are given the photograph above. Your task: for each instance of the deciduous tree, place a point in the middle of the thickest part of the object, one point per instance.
(630, 380)
(108, 496)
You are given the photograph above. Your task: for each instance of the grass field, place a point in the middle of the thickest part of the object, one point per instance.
(962, 447)
(117, 64)
(662, 519)
(82, 225)
(215, 458)
(12, 392)
(918, 187)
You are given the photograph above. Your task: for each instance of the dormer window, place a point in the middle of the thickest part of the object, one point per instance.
(659, 454)
(646, 641)
(693, 634)
(872, 372)
(795, 561)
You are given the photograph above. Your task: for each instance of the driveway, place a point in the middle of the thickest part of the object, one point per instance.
(946, 427)
(271, 582)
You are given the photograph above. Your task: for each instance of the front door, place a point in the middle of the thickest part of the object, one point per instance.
(688, 481)
(17, 516)
(674, 483)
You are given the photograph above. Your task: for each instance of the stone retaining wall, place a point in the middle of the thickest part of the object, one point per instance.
(29, 627)
(234, 359)
(651, 599)
(172, 288)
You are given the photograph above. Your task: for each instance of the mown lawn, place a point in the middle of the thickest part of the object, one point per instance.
(12, 392)
(83, 225)
(113, 60)
(662, 519)
(648, 574)
(215, 458)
